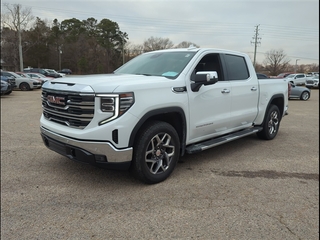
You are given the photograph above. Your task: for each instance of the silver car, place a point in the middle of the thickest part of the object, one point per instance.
(301, 93)
(313, 82)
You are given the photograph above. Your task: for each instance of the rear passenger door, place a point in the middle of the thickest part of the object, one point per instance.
(244, 91)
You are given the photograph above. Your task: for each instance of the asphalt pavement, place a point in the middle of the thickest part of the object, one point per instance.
(245, 189)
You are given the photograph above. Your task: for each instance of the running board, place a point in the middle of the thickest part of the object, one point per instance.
(199, 147)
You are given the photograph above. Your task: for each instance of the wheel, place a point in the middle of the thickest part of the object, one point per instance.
(24, 86)
(156, 152)
(271, 124)
(305, 96)
(8, 93)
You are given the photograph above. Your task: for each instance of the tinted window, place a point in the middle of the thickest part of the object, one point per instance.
(262, 76)
(210, 62)
(236, 67)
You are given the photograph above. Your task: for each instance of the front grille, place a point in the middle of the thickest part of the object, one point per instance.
(309, 81)
(67, 108)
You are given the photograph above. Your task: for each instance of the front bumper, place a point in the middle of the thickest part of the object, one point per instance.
(315, 85)
(90, 152)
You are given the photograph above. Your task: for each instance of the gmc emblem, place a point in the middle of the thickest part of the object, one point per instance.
(56, 100)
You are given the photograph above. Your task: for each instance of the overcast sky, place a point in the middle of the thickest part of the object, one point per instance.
(291, 26)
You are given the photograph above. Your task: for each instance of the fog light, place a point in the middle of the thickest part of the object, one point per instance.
(100, 158)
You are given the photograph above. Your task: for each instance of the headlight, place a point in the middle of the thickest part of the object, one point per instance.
(115, 104)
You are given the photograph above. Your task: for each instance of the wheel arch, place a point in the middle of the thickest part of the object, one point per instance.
(175, 116)
(277, 100)
(27, 83)
(305, 91)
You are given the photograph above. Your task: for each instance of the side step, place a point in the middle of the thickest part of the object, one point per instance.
(198, 147)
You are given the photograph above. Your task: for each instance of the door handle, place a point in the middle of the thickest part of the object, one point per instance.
(254, 89)
(225, 91)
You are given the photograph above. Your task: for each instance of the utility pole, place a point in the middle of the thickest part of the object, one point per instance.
(19, 35)
(256, 42)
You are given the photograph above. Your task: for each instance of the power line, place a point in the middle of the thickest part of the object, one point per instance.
(288, 32)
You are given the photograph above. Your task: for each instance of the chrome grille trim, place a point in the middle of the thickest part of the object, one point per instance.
(72, 116)
(75, 110)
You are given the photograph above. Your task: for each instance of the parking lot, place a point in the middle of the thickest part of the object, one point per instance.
(246, 189)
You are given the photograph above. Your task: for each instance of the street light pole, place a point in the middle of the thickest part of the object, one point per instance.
(295, 68)
(60, 52)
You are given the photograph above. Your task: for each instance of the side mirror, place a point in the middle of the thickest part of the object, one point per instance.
(204, 78)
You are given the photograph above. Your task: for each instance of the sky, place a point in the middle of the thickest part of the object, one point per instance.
(288, 25)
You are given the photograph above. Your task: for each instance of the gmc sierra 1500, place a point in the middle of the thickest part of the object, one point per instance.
(159, 106)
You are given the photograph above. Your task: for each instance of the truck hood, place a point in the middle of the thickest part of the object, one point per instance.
(104, 83)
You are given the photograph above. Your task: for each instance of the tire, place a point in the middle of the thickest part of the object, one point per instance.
(271, 124)
(24, 87)
(155, 153)
(305, 96)
(8, 92)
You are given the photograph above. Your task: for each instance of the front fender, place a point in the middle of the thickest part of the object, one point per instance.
(172, 115)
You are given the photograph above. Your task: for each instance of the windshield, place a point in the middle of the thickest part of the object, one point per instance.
(166, 64)
(15, 75)
(290, 76)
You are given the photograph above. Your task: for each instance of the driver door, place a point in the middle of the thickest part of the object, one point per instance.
(209, 108)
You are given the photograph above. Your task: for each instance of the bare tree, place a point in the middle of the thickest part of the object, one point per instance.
(157, 43)
(133, 50)
(276, 61)
(17, 19)
(313, 67)
(186, 44)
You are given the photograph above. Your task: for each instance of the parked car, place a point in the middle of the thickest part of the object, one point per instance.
(22, 83)
(40, 76)
(42, 71)
(66, 71)
(5, 88)
(9, 80)
(313, 82)
(262, 76)
(283, 75)
(302, 93)
(297, 78)
(55, 72)
(27, 76)
(312, 74)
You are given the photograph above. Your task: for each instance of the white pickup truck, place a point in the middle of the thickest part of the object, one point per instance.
(297, 78)
(158, 107)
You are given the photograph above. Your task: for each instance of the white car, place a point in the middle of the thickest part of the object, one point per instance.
(313, 82)
(54, 71)
(39, 76)
(297, 78)
(23, 83)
